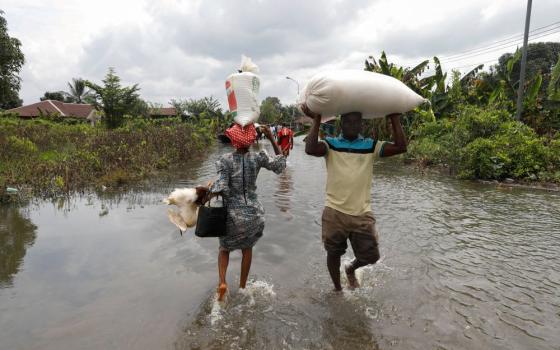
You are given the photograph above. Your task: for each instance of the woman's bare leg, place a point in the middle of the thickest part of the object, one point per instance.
(223, 261)
(245, 266)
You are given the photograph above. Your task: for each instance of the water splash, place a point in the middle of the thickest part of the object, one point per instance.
(218, 308)
(257, 289)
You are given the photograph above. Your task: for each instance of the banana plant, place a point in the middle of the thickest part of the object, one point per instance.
(553, 89)
(552, 103)
(531, 98)
(498, 94)
(384, 67)
(412, 79)
(468, 78)
(504, 88)
(409, 76)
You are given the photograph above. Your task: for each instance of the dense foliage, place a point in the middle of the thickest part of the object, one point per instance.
(11, 62)
(470, 124)
(113, 99)
(487, 143)
(273, 112)
(50, 157)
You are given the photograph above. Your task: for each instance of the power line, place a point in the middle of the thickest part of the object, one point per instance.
(521, 34)
(514, 37)
(443, 61)
(474, 64)
(496, 60)
(484, 50)
(503, 46)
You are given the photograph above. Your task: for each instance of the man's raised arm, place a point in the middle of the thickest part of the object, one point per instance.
(399, 146)
(312, 145)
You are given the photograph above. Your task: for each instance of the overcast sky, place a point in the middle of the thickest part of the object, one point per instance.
(186, 49)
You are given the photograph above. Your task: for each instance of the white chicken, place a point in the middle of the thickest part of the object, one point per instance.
(185, 200)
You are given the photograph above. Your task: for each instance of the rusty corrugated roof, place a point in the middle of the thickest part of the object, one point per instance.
(53, 107)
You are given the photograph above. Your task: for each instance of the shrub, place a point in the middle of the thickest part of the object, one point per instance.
(474, 122)
(53, 157)
(428, 151)
(487, 144)
(20, 146)
(514, 151)
(481, 160)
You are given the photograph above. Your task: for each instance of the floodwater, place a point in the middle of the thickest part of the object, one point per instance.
(464, 266)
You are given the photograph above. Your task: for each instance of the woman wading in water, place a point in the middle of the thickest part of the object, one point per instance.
(236, 183)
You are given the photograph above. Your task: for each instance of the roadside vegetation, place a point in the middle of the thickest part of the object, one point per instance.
(470, 126)
(48, 158)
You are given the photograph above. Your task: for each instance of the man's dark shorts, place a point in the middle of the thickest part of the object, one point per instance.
(360, 230)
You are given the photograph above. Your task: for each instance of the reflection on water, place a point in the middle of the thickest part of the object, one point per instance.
(17, 234)
(284, 190)
(464, 266)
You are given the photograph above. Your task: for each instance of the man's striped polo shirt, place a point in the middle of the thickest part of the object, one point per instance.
(350, 173)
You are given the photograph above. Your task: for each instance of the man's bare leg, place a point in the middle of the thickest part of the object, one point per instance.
(351, 273)
(245, 266)
(223, 261)
(333, 263)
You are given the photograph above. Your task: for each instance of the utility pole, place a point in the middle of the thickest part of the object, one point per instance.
(295, 81)
(523, 62)
(293, 116)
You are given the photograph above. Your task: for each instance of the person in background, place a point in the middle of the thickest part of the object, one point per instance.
(259, 130)
(286, 139)
(236, 183)
(347, 215)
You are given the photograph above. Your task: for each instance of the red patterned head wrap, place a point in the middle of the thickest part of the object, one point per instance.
(242, 137)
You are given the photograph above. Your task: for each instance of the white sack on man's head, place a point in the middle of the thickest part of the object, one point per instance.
(375, 95)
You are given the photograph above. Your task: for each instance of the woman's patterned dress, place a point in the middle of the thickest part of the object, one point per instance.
(237, 177)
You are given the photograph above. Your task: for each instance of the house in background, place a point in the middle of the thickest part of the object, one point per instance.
(163, 112)
(79, 111)
(302, 121)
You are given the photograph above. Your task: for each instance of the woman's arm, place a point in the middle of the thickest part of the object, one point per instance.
(270, 137)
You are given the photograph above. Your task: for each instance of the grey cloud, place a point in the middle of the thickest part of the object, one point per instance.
(190, 55)
(464, 30)
(223, 29)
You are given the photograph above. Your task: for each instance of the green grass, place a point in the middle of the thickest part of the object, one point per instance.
(50, 158)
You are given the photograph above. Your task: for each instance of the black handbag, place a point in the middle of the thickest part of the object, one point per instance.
(211, 221)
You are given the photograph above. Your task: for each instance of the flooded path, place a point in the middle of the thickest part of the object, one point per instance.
(464, 266)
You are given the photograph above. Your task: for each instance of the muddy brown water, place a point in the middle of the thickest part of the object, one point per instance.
(464, 266)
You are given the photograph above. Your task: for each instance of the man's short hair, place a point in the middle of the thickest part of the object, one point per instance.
(350, 114)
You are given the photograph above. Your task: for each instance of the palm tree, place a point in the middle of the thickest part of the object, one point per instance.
(79, 93)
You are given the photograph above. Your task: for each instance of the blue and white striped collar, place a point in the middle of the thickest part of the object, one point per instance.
(341, 138)
(360, 143)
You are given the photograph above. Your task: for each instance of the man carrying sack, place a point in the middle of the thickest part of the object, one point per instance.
(347, 214)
